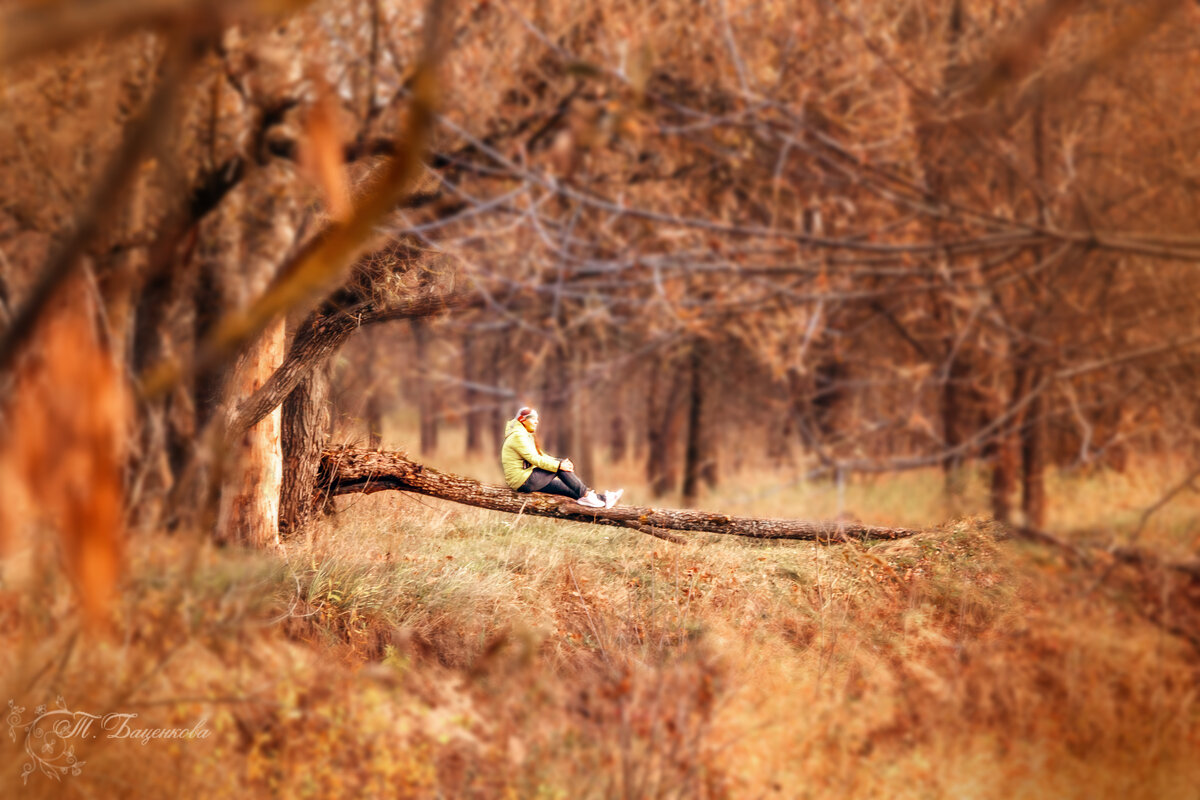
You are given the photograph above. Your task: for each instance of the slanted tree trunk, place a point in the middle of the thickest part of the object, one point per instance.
(125, 277)
(350, 470)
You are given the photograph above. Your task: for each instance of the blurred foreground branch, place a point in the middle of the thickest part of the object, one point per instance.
(142, 136)
(31, 29)
(319, 266)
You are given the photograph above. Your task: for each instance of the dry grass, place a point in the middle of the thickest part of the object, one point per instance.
(412, 648)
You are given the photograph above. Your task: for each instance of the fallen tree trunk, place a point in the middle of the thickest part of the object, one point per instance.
(350, 470)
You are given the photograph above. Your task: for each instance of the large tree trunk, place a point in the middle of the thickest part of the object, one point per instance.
(249, 503)
(350, 470)
(306, 427)
(249, 510)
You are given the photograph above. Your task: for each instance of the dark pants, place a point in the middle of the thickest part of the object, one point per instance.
(563, 483)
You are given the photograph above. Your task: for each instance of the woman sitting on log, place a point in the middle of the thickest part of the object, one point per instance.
(528, 469)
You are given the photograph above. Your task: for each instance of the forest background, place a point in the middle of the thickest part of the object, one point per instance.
(918, 266)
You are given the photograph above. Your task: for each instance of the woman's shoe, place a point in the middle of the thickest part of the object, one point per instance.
(612, 496)
(590, 500)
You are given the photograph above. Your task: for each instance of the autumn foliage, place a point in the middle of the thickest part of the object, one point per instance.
(919, 266)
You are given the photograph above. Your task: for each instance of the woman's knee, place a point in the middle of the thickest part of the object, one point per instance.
(572, 480)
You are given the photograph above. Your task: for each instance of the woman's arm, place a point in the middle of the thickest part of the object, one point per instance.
(526, 450)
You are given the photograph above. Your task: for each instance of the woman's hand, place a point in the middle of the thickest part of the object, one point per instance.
(566, 466)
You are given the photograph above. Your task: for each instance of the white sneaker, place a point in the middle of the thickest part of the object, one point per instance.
(612, 496)
(590, 500)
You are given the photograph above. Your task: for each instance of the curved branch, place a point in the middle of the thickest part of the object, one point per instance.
(320, 336)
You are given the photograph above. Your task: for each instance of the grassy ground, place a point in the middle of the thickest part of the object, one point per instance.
(408, 647)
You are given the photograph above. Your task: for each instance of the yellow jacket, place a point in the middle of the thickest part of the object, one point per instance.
(519, 455)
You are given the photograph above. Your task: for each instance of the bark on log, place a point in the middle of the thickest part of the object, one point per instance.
(349, 470)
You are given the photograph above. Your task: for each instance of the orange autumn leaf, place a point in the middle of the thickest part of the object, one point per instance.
(321, 157)
(65, 453)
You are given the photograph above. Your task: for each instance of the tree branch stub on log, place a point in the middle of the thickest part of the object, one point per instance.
(350, 470)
